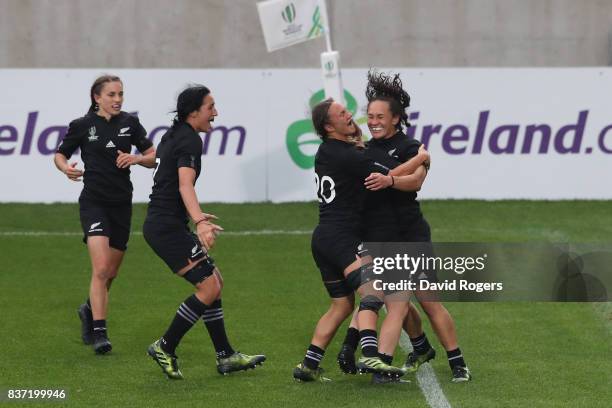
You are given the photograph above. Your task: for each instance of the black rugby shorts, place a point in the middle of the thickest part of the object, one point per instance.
(174, 243)
(109, 220)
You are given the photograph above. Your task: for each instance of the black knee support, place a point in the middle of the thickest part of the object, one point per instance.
(200, 272)
(372, 303)
(360, 276)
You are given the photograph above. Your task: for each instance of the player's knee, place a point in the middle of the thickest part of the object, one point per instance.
(112, 273)
(433, 308)
(339, 312)
(397, 311)
(103, 271)
(213, 291)
(342, 307)
(370, 302)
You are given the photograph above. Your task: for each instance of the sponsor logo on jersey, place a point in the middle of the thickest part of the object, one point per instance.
(92, 134)
(110, 144)
(392, 151)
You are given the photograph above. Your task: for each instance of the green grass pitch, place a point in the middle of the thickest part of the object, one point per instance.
(521, 354)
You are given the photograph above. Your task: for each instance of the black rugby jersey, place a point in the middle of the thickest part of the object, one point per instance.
(179, 147)
(391, 206)
(99, 140)
(340, 173)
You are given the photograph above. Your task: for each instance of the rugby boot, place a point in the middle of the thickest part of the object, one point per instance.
(461, 374)
(346, 360)
(378, 378)
(376, 365)
(86, 318)
(238, 362)
(168, 362)
(303, 373)
(415, 360)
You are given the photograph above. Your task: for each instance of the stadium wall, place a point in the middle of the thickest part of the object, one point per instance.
(493, 133)
(222, 34)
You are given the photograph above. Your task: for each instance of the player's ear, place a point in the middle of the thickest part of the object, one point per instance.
(329, 127)
(395, 120)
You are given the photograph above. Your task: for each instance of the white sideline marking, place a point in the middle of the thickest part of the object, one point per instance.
(77, 233)
(426, 377)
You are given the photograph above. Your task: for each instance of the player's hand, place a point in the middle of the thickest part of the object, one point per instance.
(425, 155)
(125, 160)
(207, 232)
(209, 216)
(73, 173)
(378, 181)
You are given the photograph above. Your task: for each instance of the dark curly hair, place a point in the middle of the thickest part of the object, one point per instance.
(189, 100)
(384, 87)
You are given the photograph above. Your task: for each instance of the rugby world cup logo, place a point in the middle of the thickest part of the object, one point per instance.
(92, 134)
(288, 13)
(329, 66)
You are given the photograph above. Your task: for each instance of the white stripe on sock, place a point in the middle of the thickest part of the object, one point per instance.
(212, 319)
(210, 311)
(185, 316)
(207, 316)
(188, 311)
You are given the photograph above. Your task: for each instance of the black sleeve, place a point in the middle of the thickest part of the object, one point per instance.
(359, 164)
(188, 152)
(139, 136)
(72, 139)
(409, 150)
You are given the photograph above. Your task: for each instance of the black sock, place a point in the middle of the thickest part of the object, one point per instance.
(369, 343)
(88, 303)
(352, 338)
(420, 344)
(187, 315)
(313, 357)
(99, 328)
(455, 358)
(387, 359)
(213, 319)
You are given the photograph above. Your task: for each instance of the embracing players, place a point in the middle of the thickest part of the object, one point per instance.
(341, 168)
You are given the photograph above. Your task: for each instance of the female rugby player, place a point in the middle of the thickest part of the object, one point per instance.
(105, 136)
(395, 216)
(173, 202)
